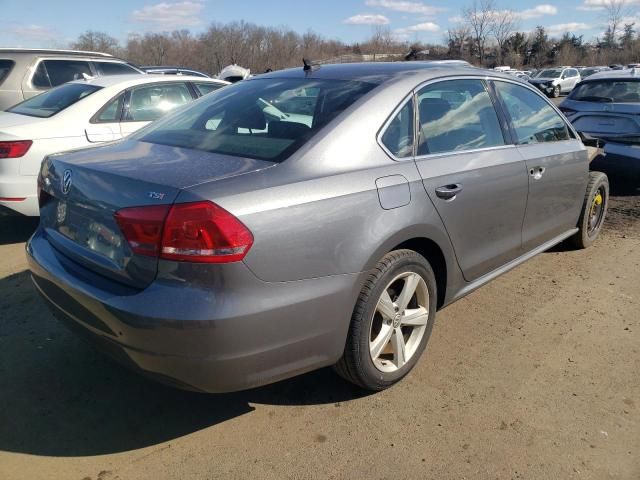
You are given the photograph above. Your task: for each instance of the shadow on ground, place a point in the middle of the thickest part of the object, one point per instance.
(15, 228)
(59, 397)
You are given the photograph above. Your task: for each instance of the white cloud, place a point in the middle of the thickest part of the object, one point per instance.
(420, 27)
(596, 5)
(170, 16)
(406, 6)
(537, 11)
(566, 27)
(456, 19)
(367, 19)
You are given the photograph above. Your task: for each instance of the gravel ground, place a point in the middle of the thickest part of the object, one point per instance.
(534, 376)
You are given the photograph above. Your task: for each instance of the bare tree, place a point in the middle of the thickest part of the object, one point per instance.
(96, 42)
(458, 38)
(504, 25)
(614, 12)
(480, 18)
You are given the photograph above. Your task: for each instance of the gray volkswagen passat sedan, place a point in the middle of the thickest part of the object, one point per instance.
(306, 218)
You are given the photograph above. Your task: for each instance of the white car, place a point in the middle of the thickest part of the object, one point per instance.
(80, 114)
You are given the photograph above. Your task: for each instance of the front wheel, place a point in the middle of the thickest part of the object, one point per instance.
(594, 210)
(391, 323)
(556, 91)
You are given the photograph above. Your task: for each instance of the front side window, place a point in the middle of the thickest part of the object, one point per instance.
(608, 91)
(114, 68)
(457, 115)
(533, 119)
(398, 137)
(150, 102)
(267, 119)
(5, 68)
(54, 101)
(63, 71)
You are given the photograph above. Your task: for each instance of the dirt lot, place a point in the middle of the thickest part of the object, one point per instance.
(535, 376)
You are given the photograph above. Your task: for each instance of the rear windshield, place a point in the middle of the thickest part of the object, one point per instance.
(5, 68)
(267, 119)
(608, 91)
(54, 101)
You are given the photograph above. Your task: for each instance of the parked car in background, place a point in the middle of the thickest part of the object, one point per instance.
(555, 81)
(231, 245)
(616, 66)
(79, 114)
(174, 71)
(605, 110)
(28, 72)
(633, 65)
(588, 71)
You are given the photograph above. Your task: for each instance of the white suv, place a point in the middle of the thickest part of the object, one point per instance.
(555, 81)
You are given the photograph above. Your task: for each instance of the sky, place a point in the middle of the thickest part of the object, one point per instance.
(55, 23)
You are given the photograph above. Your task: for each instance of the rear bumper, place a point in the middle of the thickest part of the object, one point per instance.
(19, 193)
(234, 333)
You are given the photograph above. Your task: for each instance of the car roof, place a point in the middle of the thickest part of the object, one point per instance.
(53, 51)
(631, 73)
(133, 79)
(381, 72)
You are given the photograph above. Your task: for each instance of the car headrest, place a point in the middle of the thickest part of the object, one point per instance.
(290, 130)
(432, 109)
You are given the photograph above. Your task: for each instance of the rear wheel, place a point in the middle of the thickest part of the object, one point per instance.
(391, 323)
(594, 210)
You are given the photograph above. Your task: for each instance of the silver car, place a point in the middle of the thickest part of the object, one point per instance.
(26, 72)
(555, 81)
(307, 218)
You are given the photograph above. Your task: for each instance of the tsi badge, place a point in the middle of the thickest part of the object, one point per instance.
(66, 182)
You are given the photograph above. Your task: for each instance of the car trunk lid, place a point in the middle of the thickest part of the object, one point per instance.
(84, 189)
(601, 118)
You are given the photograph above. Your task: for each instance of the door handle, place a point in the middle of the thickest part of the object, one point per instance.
(537, 172)
(448, 192)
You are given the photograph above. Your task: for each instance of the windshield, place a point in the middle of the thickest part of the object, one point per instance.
(550, 73)
(266, 119)
(608, 91)
(54, 101)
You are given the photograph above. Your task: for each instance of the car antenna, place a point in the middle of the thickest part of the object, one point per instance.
(309, 65)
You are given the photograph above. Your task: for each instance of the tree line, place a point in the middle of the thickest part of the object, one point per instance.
(485, 35)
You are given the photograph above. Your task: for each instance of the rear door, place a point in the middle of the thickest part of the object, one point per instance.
(474, 177)
(556, 163)
(104, 126)
(149, 102)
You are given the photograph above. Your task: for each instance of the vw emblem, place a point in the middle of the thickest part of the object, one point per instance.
(66, 182)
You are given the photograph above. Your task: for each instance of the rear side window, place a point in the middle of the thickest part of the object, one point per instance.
(51, 73)
(207, 87)
(151, 102)
(533, 119)
(5, 67)
(111, 112)
(267, 119)
(457, 115)
(608, 91)
(114, 68)
(398, 137)
(54, 101)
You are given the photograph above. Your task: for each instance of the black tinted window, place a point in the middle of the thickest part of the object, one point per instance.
(63, 71)
(608, 91)
(533, 119)
(53, 101)
(207, 87)
(113, 68)
(267, 119)
(457, 115)
(5, 68)
(398, 137)
(40, 78)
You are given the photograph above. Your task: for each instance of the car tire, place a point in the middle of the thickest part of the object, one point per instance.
(556, 91)
(379, 350)
(594, 210)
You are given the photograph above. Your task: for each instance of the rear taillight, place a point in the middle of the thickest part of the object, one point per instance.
(142, 227)
(14, 149)
(199, 232)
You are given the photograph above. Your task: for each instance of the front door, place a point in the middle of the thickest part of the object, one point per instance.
(477, 182)
(556, 164)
